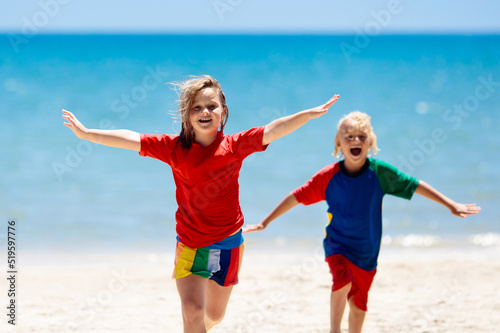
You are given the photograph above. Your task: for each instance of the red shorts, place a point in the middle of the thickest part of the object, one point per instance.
(344, 271)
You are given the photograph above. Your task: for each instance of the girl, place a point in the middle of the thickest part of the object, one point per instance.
(354, 190)
(205, 164)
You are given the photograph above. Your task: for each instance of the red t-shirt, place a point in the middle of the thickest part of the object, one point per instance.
(207, 182)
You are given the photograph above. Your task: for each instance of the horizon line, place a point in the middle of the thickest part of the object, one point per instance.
(248, 33)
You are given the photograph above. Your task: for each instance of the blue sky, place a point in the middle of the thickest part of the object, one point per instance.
(250, 16)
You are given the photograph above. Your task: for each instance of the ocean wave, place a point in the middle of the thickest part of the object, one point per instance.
(426, 240)
(412, 240)
(485, 239)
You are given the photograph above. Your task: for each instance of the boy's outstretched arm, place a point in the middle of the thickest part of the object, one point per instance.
(114, 138)
(284, 206)
(286, 125)
(457, 209)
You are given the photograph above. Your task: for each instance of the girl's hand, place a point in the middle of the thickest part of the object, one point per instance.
(322, 109)
(463, 210)
(280, 127)
(75, 125)
(253, 228)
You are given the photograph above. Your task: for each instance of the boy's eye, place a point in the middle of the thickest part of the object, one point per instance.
(353, 137)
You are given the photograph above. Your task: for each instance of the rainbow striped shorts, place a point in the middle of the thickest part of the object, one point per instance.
(213, 262)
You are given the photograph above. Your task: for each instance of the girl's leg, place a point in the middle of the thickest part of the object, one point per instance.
(356, 317)
(338, 302)
(216, 301)
(217, 296)
(192, 290)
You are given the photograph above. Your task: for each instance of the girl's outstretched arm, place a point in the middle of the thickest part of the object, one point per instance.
(458, 209)
(286, 125)
(114, 138)
(284, 206)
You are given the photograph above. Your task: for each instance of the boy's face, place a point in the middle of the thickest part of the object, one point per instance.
(206, 111)
(354, 143)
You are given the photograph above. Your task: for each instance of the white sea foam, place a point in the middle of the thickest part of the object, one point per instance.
(425, 240)
(485, 239)
(412, 240)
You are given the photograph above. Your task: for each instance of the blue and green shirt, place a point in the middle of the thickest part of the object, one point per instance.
(355, 206)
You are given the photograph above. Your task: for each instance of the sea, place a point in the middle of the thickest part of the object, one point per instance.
(434, 101)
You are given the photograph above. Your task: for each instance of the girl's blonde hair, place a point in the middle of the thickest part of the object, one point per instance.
(187, 91)
(357, 121)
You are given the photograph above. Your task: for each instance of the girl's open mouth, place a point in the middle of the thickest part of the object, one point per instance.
(204, 121)
(356, 151)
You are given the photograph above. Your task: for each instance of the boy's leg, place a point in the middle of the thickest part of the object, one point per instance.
(356, 317)
(338, 302)
(358, 297)
(216, 301)
(192, 290)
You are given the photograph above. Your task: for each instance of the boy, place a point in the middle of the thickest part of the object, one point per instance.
(354, 190)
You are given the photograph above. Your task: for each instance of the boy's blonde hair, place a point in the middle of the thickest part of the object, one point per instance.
(188, 90)
(358, 121)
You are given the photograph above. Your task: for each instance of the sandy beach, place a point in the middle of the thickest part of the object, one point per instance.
(415, 290)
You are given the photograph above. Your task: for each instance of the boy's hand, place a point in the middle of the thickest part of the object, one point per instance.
(463, 210)
(253, 228)
(322, 109)
(75, 125)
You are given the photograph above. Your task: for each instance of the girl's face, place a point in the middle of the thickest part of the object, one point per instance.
(206, 112)
(354, 143)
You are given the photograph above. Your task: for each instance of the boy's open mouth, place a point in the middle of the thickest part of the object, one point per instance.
(356, 151)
